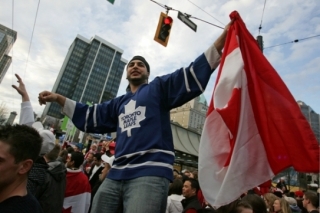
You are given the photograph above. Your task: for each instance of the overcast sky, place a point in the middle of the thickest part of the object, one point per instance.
(131, 25)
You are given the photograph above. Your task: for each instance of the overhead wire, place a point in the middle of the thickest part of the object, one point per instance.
(294, 41)
(34, 24)
(187, 15)
(206, 12)
(264, 6)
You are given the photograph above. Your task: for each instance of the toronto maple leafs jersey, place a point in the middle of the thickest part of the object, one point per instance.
(142, 119)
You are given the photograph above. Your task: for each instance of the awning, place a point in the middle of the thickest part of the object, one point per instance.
(185, 140)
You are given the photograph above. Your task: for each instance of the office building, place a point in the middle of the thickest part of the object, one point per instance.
(7, 39)
(312, 117)
(192, 114)
(90, 73)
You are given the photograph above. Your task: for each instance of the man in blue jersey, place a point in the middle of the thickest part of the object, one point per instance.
(144, 155)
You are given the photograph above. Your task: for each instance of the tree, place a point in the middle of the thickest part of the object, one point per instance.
(3, 113)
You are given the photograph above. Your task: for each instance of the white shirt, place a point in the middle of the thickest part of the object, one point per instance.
(95, 169)
(174, 204)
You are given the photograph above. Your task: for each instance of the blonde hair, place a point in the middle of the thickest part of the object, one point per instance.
(270, 198)
(284, 206)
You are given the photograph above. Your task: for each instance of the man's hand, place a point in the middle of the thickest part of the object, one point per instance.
(219, 43)
(21, 89)
(47, 96)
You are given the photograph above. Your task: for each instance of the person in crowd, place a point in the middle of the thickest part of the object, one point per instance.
(47, 178)
(291, 194)
(282, 185)
(88, 164)
(111, 148)
(93, 150)
(269, 199)
(195, 174)
(174, 204)
(298, 195)
(310, 201)
(244, 207)
(256, 202)
(144, 157)
(188, 174)
(63, 155)
(229, 208)
(107, 163)
(78, 191)
(69, 149)
(293, 204)
(102, 146)
(280, 205)
(19, 148)
(278, 192)
(95, 170)
(190, 190)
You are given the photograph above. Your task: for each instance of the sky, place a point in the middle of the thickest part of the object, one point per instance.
(131, 25)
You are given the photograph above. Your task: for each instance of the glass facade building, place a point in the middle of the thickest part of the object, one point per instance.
(91, 72)
(312, 117)
(7, 39)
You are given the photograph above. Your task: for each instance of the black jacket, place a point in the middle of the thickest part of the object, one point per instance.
(191, 203)
(50, 193)
(95, 177)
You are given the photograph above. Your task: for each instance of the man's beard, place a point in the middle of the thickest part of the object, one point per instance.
(138, 81)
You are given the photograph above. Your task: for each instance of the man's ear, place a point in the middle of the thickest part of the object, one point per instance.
(25, 166)
(194, 190)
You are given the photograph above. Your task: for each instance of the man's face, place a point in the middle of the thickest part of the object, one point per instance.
(187, 190)
(137, 71)
(93, 147)
(9, 170)
(90, 158)
(305, 201)
(187, 174)
(69, 163)
(96, 161)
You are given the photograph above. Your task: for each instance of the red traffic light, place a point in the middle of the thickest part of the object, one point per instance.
(167, 20)
(163, 29)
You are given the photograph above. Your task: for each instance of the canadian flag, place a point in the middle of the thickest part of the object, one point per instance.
(254, 128)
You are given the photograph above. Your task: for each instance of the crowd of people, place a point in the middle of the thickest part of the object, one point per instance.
(136, 175)
(185, 196)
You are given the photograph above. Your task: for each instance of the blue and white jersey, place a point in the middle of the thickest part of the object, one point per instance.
(142, 119)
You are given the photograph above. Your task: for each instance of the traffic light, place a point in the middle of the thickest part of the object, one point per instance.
(163, 29)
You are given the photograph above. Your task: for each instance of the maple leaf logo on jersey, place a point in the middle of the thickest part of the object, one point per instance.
(131, 117)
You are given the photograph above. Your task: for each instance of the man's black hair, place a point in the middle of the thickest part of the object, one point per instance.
(78, 159)
(98, 156)
(24, 141)
(194, 184)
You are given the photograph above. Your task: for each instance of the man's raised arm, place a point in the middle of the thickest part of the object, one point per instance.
(47, 96)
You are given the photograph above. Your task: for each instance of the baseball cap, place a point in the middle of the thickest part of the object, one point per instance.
(112, 147)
